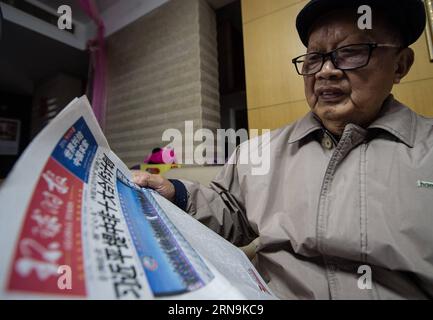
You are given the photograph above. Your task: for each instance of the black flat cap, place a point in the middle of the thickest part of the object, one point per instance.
(407, 15)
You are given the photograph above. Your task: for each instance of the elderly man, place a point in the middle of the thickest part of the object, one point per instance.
(349, 196)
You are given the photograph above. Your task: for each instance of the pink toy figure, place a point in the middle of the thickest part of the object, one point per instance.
(161, 156)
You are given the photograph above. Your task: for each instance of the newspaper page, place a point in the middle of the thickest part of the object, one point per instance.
(74, 226)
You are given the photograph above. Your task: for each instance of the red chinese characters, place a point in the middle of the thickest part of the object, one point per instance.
(50, 237)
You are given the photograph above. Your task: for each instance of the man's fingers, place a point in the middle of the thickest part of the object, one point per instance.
(155, 181)
(145, 179)
(141, 178)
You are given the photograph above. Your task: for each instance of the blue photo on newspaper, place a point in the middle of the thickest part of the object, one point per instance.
(76, 150)
(171, 265)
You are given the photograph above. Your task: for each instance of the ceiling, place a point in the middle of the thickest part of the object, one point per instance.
(216, 4)
(103, 5)
(77, 12)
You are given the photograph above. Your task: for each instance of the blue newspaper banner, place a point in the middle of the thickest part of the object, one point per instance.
(171, 265)
(76, 150)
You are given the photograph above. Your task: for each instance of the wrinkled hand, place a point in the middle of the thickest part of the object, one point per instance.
(154, 181)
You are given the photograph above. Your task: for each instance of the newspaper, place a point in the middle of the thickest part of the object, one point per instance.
(74, 226)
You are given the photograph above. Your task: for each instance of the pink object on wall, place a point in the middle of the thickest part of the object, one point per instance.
(98, 61)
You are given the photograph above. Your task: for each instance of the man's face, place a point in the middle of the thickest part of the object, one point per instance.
(355, 96)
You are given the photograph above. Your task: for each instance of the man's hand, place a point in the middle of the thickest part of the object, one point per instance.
(154, 181)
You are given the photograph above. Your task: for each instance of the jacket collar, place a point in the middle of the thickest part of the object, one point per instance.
(394, 118)
(304, 127)
(398, 120)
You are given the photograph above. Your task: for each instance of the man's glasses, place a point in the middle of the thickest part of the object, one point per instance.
(349, 57)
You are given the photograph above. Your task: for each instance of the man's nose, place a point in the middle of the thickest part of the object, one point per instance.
(329, 71)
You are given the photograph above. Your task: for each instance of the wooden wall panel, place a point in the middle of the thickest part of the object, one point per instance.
(418, 95)
(253, 9)
(277, 116)
(270, 44)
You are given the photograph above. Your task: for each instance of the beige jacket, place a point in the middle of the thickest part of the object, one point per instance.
(326, 209)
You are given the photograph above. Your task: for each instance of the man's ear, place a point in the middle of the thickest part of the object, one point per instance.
(404, 63)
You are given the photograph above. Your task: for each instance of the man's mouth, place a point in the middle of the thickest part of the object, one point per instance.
(330, 94)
